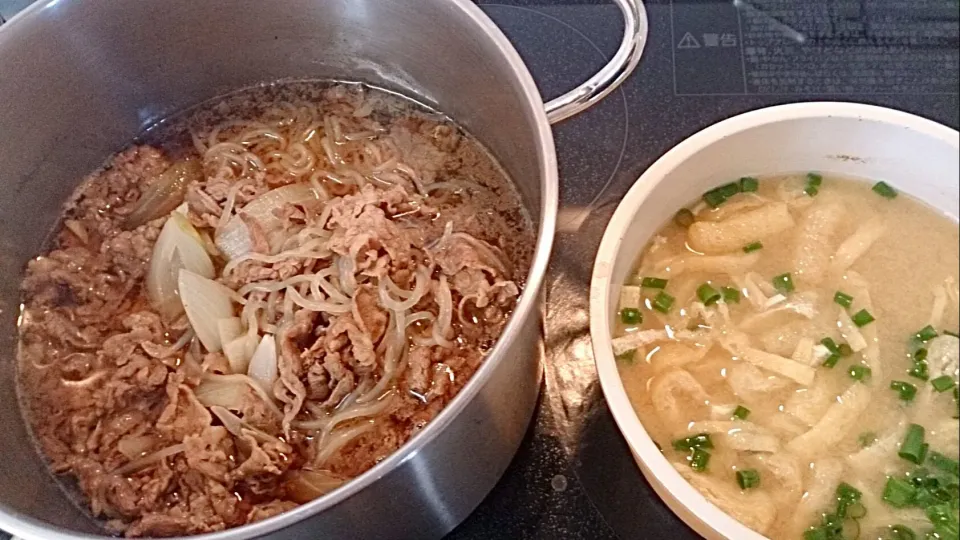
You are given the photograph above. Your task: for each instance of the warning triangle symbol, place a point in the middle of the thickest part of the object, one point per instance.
(688, 42)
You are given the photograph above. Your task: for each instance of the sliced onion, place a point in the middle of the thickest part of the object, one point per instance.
(304, 485)
(232, 422)
(244, 380)
(263, 364)
(238, 346)
(414, 296)
(149, 459)
(340, 438)
(236, 426)
(393, 357)
(484, 249)
(136, 446)
(229, 329)
(239, 351)
(444, 313)
(206, 302)
(348, 411)
(234, 240)
(165, 193)
(179, 246)
(228, 395)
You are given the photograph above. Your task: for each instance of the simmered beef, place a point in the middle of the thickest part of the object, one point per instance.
(367, 253)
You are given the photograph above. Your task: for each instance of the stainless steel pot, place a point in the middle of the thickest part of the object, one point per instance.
(80, 79)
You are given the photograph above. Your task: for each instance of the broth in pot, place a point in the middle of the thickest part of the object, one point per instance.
(262, 300)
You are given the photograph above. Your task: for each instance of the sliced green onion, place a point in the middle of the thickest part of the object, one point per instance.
(898, 493)
(920, 370)
(920, 355)
(730, 295)
(924, 448)
(945, 522)
(729, 190)
(699, 460)
(830, 344)
(701, 440)
(708, 295)
(912, 448)
(926, 333)
(663, 302)
(814, 181)
(749, 184)
(784, 283)
(844, 349)
(831, 361)
(884, 190)
(900, 532)
(956, 399)
(856, 510)
(930, 493)
(944, 463)
(631, 316)
(850, 529)
(654, 283)
(943, 383)
(866, 439)
(833, 524)
(755, 246)
(748, 478)
(948, 530)
(816, 533)
(843, 299)
(684, 218)
(906, 390)
(716, 197)
(848, 493)
(921, 478)
(862, 318)
(859, 373)
(741, 412)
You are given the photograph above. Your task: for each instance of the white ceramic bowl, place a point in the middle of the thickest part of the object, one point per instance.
(915, 155)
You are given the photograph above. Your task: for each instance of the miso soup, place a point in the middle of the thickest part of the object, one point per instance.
(790, 343)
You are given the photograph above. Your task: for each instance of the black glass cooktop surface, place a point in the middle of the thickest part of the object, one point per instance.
(705, 60)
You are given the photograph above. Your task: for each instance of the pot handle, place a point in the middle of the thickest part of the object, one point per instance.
(611, 75)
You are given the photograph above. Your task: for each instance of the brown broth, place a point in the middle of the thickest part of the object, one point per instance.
(99, 371)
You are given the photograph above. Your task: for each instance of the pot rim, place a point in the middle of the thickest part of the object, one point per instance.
(528, 306)
(666, 480)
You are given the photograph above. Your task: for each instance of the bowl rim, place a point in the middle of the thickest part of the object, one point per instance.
(654, 465)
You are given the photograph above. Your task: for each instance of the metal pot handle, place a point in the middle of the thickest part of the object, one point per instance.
(611, 75)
